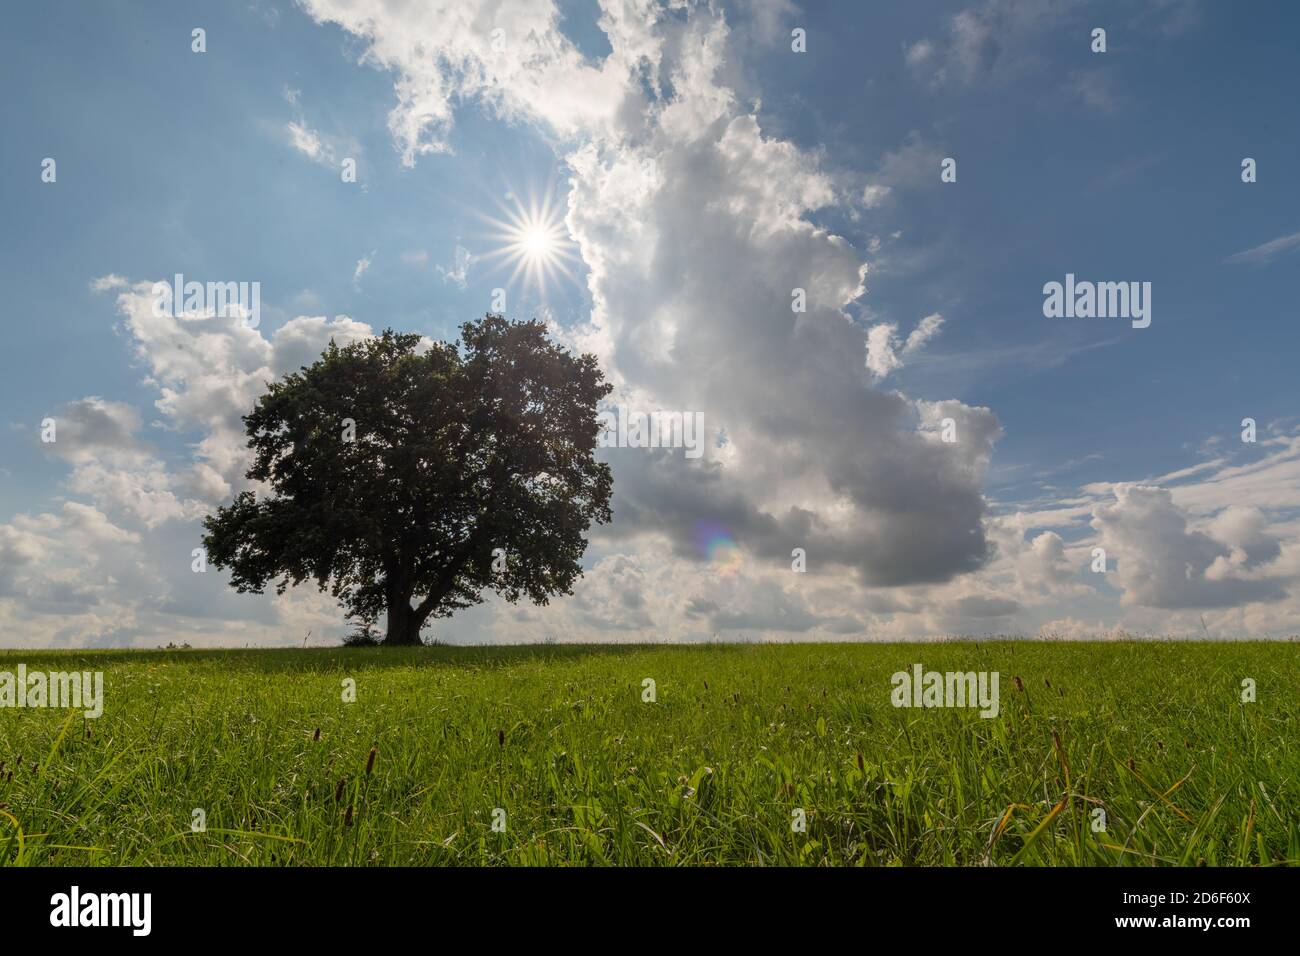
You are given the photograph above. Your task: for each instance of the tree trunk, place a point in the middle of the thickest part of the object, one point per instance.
(403, 625)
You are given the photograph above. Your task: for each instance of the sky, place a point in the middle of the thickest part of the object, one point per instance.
(825, 228)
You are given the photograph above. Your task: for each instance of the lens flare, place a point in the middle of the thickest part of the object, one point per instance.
(530, 238)
(716, 545)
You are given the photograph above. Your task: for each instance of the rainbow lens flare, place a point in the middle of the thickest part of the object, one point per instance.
(716, 545)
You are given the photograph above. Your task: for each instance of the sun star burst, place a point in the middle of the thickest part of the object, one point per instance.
(531, 239)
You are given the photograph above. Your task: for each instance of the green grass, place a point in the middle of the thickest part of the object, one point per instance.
(1155, 734)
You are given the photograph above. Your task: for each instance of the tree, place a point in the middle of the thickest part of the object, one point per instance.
(406, 481)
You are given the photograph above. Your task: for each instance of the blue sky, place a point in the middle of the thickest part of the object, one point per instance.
(1115, 166)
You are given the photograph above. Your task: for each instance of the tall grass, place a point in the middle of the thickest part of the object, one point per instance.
(712, 772)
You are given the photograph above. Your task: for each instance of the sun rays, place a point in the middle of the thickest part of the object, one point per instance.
(530, 238)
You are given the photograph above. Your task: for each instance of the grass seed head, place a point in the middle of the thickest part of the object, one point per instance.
(370, 761)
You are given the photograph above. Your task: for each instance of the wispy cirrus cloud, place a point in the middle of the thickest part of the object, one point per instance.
(1265, 252)
(458, 272)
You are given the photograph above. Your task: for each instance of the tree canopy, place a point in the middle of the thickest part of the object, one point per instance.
(407, 478)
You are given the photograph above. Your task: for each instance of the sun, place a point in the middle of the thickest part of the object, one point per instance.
(537, 244)
(531, 239)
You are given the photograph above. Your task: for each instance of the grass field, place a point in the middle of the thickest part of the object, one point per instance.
(713, 771)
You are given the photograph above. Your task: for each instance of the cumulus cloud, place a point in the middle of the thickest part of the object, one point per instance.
(617, 596)
(112, 465)
(695, 224)
(62, 564)
(675, 191)
(981, 606)
(1163, 563)
(113, 566)
(512, 57)
(1210, 549)
(299, 341)
(92, 426)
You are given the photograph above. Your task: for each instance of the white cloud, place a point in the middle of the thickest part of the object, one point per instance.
(677, 192)
(925, 330)
(363, 264)
(91, 426)
(327, 150)
(874, 195)
(306, 141)
(458, 272)
(511, 56)
(919, 53)
(1266, 252)
(991, 39)
(882, 358)
(1163, 563)
(107, 283)
(113, 565)
(1096, 88)
(886, 352)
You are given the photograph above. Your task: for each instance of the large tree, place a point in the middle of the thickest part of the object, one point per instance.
(408, 479)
